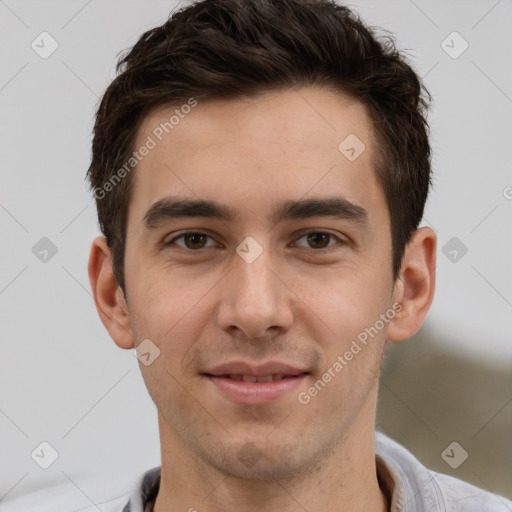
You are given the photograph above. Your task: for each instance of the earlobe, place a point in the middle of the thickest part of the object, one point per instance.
(415, 286)
(108, 297)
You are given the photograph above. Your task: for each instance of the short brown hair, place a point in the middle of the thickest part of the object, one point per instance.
(232, 48)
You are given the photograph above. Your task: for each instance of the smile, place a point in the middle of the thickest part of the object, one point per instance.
(254, 390)
(252, 378)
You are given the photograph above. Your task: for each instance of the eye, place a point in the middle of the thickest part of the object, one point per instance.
(319, 240)
(192, 240)
(195, 240)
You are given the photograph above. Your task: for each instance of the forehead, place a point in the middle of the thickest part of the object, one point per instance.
(273, 147)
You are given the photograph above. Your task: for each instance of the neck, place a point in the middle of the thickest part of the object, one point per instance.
(345, 480)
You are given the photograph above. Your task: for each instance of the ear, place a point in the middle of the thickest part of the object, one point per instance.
(415, 285)
(108, 296)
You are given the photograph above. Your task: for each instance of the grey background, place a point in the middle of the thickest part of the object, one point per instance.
(62, 379)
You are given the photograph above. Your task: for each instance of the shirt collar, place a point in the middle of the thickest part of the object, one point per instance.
(145, 491)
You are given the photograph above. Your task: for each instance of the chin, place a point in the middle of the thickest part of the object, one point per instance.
(269, 462)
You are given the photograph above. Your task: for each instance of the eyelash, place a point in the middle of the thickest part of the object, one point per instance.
(322, 249)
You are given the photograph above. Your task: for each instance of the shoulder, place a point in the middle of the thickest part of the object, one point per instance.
(423, 489)
(47, 501)
(462, 496)
(89, 495)
(108, 493)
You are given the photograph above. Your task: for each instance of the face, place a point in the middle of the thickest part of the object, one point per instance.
(258, 250)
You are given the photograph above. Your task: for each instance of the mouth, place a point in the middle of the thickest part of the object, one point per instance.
(244, 383)
(253, 378)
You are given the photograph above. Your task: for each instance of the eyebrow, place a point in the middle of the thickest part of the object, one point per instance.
(174, 207)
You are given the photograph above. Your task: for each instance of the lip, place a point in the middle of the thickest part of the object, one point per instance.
(256, 370)
(255, 392)
(249, 393)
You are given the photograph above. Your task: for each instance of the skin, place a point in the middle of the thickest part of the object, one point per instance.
(204, 305)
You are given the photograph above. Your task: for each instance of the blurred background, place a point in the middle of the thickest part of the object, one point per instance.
(62, 379)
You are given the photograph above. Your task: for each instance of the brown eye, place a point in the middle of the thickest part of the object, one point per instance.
(318, 240)
(192, 240)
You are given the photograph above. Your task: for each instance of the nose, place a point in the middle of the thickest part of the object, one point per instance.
(256, 302)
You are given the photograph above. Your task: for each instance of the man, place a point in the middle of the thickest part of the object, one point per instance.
(260, 169)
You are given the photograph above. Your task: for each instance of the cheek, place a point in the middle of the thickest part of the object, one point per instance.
(166, 297)
(343, 306)
(355, 341)
(174, 326)
(172, 316)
